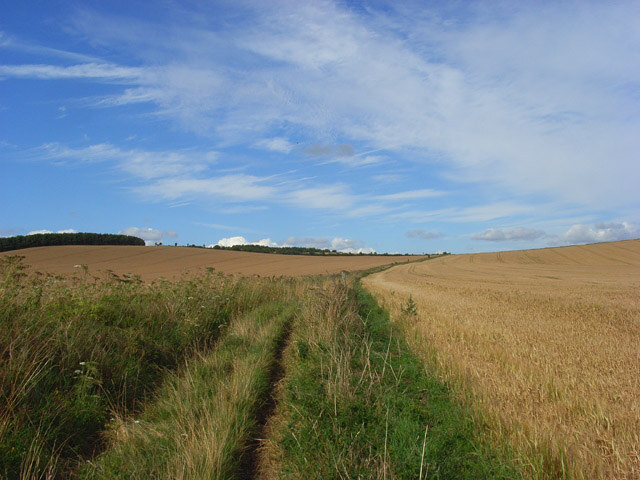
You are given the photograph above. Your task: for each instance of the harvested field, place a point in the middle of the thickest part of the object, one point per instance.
(172, 262)
(545, 344)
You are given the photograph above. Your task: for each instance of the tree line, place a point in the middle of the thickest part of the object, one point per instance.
(285, 250)
(52, 239)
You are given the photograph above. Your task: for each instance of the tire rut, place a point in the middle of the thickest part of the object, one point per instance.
(250, 460)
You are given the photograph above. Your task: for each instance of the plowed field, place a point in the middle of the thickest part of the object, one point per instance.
(171, 262)
(544, 343)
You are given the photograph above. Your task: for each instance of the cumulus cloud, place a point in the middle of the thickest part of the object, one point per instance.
(600, 232)
(67, 230)
(240, 240)
(423, 234)
(150, 236)
(509, 234)
(343, 245)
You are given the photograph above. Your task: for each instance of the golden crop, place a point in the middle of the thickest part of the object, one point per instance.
(545, 344)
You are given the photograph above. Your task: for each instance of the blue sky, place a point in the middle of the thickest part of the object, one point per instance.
(394, 127)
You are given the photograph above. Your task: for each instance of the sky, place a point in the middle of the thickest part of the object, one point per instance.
(406, 127)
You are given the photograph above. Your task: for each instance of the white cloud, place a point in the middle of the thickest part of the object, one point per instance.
(86, 70)
(239, 240)
(277, 144)
(527, 99)
(412, 195)
(509, 234)
(600, 232)
(183, 175)
(231, 241)
(138, 163)
(266, 242)
(535, 98)
(477, 213)
(228, 188)
(343, 245)
(149, 235)
(67, 230)
(339, 244)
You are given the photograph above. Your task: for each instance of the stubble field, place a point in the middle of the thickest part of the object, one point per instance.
(543, 344)
(151, 263)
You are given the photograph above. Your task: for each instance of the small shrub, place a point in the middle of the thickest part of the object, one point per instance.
(410, 308)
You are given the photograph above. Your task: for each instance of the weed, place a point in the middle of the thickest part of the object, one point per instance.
(410, 309)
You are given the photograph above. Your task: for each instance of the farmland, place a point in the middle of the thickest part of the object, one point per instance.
(542, 344)
(169, 362)
(151, 263)
(219, 376)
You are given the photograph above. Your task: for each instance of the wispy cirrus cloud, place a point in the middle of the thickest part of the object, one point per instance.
(411, 195)
(228, 188)
(504, 97)
(92, 71)
(184, 175)
(136, 162)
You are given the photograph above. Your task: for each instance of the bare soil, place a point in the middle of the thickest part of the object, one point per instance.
(151, 263)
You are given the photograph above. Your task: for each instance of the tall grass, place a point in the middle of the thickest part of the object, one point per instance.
(356, 403)
(204, 417)
(75, 354)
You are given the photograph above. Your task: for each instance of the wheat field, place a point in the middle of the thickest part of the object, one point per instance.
(543, 344)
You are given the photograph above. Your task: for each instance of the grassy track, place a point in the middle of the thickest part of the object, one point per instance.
(356, 403)
(204, 418)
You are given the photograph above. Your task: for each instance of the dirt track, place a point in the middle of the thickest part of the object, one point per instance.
(172, 262)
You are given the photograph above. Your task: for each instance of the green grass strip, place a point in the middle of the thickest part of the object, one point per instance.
(422, 414)
(357, 403)
(203, 417)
